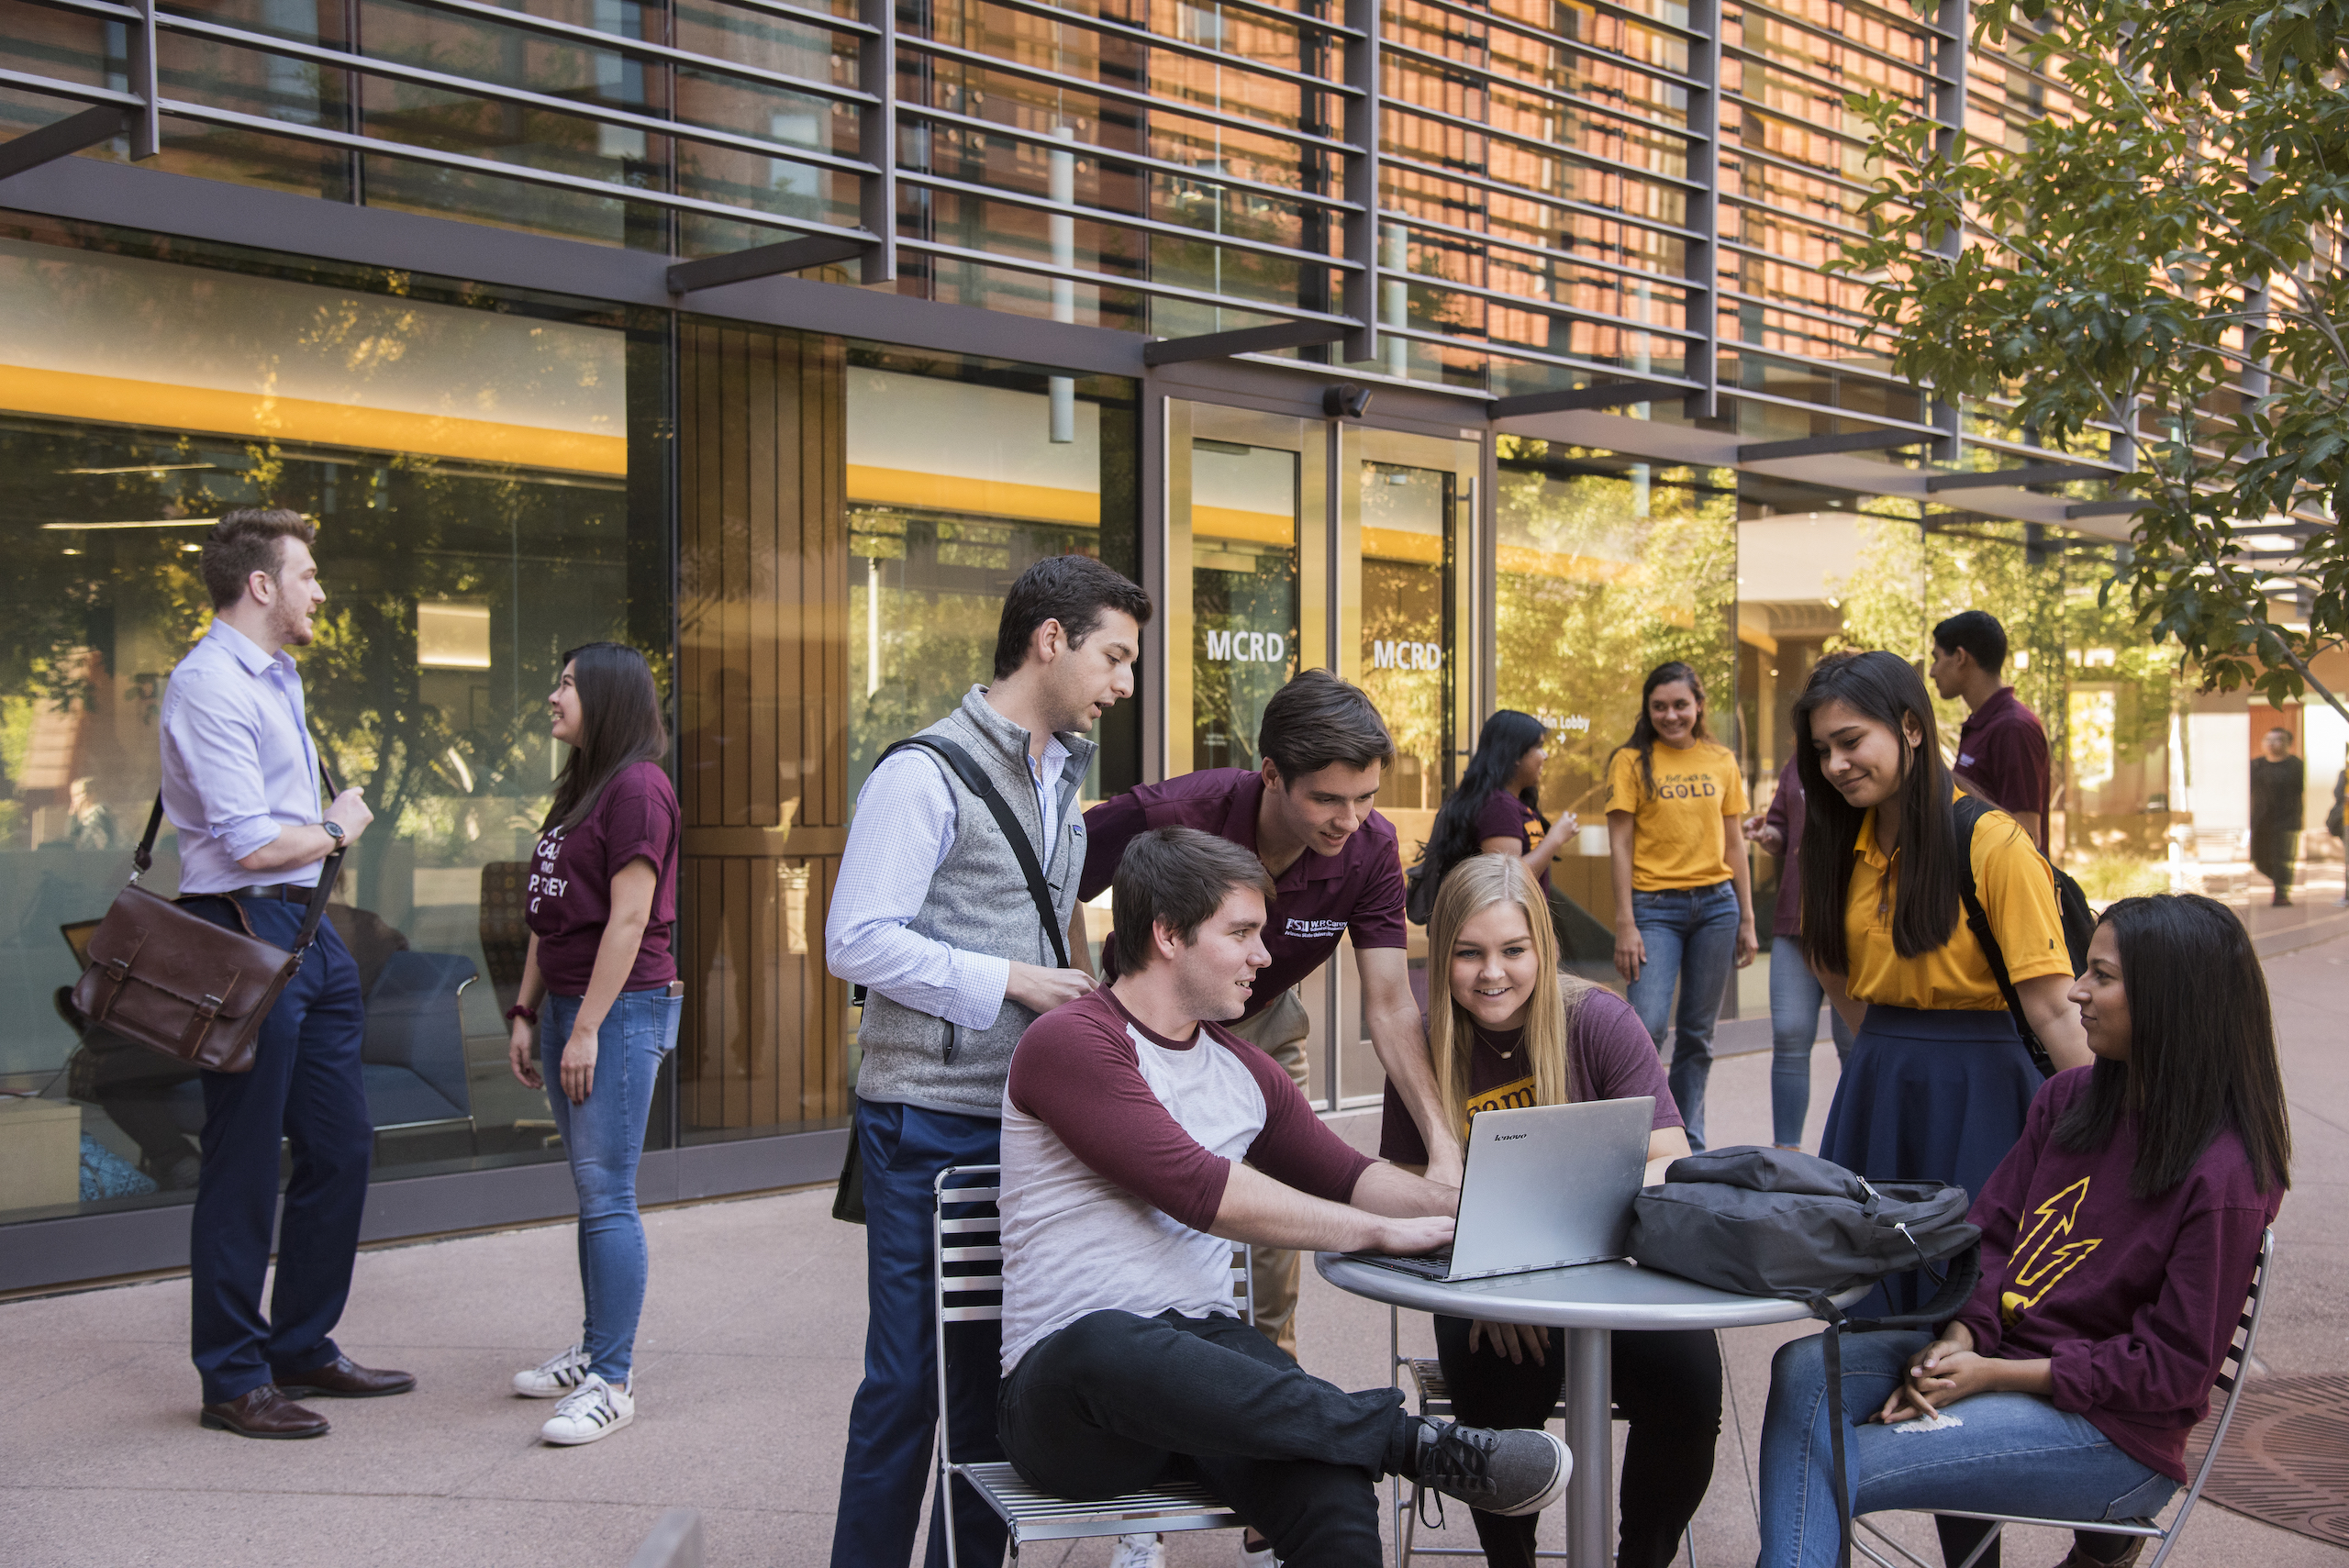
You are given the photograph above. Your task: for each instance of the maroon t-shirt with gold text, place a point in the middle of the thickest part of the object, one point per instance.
(569, 887)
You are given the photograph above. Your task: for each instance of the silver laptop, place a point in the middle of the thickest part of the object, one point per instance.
(1545, 1187)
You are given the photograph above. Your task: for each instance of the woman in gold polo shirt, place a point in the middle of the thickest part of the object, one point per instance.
(1684, 896)
(1938, 1080)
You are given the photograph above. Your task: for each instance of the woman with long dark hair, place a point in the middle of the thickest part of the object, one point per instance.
(2118, 1241)
(1683, 890)
(1497, 806)
(599, 1005)
(1507, 1029)
(1938, 1080)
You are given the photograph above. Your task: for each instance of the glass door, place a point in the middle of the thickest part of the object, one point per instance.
(1244, 574)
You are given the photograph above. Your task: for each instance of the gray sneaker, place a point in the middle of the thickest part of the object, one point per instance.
(1511, 1472)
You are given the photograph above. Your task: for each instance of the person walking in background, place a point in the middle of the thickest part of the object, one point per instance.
(1497, 809)
(602, 898)
(2278, 793)
(2002, 747)
(1796, 995)
(1939, 1080)
(1507, 1029)
(2118, 1242)
(934, 916)
(91, 824)
(1684, 894)
(241, 782)
(2333, 825)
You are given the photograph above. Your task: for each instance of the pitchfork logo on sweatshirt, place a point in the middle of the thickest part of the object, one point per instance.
(2044, 1254)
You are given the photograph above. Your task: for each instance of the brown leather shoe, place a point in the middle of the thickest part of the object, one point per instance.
(265, 1412)
(343, 1378)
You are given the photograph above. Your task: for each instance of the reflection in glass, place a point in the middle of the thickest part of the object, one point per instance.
(1243, 593)
(454, 580)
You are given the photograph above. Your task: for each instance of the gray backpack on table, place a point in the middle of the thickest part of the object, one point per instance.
(1774, 1222)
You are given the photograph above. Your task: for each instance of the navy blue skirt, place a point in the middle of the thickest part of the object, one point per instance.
(1937, 1096)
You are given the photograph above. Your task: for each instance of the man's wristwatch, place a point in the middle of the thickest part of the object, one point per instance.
(334, 831)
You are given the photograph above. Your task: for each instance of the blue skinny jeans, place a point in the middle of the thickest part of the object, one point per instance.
(1796, 997)
(2013, 1453)
(603, 1136)
(1691, 937)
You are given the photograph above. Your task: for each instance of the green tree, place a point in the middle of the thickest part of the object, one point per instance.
(2153, 274)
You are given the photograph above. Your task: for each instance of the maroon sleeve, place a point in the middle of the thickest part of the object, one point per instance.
(1782, 804)
(1399, 1142)
(2168, 1359)
(1075, 1070)
(1377, 918)
(1297, 1149)
(640, 820)
(2014, 767)
(1619, 1061)
(1502, 818)
(1108, 829)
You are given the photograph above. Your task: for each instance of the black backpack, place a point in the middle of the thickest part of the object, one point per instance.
(1774, 1222)
(2071, 904)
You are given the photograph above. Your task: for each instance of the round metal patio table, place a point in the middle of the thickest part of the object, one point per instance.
(1590, 1303)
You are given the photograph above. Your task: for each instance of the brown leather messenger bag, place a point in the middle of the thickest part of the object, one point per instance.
(166, 978)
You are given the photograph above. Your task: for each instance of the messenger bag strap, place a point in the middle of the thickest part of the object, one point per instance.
(1968, 811)
(330, 870)
(978, 783)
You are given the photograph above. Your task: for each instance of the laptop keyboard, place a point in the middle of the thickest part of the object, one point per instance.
(1429, 1265)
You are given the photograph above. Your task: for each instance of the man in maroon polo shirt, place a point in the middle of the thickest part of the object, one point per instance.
(1336, 873)
(2002, 747)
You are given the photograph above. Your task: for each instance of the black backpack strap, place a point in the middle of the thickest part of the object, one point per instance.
(1969, 810)
(978, 783)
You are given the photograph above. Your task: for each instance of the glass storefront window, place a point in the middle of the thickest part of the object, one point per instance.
(468, 470)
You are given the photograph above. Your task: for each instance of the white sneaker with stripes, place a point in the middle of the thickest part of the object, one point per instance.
(555, 1376)
(593, 1410)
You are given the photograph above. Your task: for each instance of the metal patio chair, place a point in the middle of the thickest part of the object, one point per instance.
(1435, 1400)
(2232, 1375)
(972, 1240)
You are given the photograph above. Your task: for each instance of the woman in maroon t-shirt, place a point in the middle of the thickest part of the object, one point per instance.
(1513, 1031)
(2118, 1240)
(603, 894)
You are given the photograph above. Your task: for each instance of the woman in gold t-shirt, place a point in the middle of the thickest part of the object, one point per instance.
(1684, 896)
(1939, 1080)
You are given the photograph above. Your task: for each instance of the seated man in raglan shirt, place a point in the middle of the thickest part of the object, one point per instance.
(1140, 1139)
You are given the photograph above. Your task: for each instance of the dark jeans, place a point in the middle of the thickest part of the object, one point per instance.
(306, 1091)
(894, 1420)
(1113, 1402)
(1668, 1383)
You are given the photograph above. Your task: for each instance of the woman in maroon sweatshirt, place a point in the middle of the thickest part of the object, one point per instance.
(2118, 1240)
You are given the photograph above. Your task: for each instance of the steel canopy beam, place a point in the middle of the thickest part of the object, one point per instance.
(1245, 340)
(62, 138)
(1816, 446)
(1600, 394)
(766, 261)
(2034, 473)
(2117, 508)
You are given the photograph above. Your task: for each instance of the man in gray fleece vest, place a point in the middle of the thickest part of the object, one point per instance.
(934, 918)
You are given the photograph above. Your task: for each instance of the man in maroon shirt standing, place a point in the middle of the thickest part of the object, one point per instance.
(1336, 873)
(2003, 746)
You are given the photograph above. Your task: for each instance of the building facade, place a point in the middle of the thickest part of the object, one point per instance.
(1479, 352)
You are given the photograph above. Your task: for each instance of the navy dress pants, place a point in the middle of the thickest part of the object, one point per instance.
(894, 1420)
(306, 1089)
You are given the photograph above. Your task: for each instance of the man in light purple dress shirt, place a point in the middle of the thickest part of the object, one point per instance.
(241, 782)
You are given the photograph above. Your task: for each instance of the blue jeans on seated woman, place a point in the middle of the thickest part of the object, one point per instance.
(2014, 1453)
(604, 1138)
(1691, 937)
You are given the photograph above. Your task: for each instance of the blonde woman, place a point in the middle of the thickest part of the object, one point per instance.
(1505, 1029)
